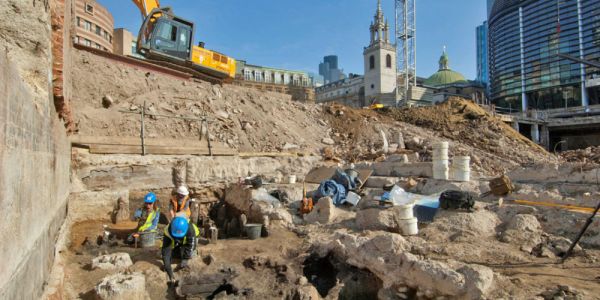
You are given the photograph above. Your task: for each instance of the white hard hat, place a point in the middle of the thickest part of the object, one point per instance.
(182, 190)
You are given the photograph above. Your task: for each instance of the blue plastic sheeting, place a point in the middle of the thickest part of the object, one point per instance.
(332, 189)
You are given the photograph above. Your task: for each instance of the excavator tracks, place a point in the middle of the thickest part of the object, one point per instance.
(162, 67)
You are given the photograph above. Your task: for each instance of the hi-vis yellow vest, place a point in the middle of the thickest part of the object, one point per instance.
(167, 233)
(149, 221)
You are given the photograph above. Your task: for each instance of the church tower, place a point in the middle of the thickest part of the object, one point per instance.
(380, 63)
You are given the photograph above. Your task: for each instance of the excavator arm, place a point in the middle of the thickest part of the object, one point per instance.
(146, 6)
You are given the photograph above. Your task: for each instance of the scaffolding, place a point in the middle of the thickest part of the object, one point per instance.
(406, 47)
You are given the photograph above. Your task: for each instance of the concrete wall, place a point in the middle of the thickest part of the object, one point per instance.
(34, 152)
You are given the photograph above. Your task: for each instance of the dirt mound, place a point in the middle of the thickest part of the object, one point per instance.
(244, 119)
(590, 155)
(468, 124)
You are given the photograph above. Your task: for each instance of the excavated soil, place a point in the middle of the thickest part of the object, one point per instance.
(468, 124)
(250, 120)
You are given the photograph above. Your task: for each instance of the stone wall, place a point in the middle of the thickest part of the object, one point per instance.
(101, 179)
(34, 151)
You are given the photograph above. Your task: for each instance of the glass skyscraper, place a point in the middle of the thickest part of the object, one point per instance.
(482, 54)
(525, 37)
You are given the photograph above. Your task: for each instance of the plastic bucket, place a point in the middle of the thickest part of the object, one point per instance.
(441, 145)
(441, 173)
(253, 231)
(405, 212)
(291, 179)
(147, 239)
(409, 226)
(462, 175)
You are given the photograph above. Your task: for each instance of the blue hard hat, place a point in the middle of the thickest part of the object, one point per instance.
(150, 198)
(179, 227)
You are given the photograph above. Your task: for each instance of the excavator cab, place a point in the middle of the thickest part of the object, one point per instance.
(164, 35)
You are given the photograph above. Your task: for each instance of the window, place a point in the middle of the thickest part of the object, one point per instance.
(388, 61)
(167, 32)
(87, 25)
(87, 42)
(89, 8)
(98, 30)
(372, 86)
(371, 62)
(78, 22)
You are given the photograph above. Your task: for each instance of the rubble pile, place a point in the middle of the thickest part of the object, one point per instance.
(590, 155)
(467, 124)
(242, 118)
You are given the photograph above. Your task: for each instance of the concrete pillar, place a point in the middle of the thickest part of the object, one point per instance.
(535, 133)
(545, 137)
(515, 126)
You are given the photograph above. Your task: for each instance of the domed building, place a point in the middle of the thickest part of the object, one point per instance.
(446, 83)
(444, 76)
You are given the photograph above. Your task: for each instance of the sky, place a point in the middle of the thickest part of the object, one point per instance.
(293, 34)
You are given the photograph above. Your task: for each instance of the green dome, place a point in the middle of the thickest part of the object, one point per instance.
(444, 76)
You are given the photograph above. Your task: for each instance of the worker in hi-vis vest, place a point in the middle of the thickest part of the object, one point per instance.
(180, 203)
(180, 240)
(147, 216)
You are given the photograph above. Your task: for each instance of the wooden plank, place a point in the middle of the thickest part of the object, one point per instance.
(268, 154)
(321, 174)
(158, 150)
(135, 141)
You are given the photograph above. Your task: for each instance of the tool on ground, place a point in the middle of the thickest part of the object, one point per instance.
(573, 208)
(583, 230)
(307, 203)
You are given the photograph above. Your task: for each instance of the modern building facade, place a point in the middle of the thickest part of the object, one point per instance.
(482, 53)
(524, 39)
(330, 70)
(93, 25)
(349, 91)
(298, 84)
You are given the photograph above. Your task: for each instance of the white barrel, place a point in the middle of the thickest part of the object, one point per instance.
(409, 227)
(441, 174)
(441, 145)
(461, 175)
(405, 211)
(440, 163)
(461, 168)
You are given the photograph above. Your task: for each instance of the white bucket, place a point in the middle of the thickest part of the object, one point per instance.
(409, 227)
(405, 212)
(440, 157)
(440, 174)
(462, 175)
(291, 179)
(441, 145)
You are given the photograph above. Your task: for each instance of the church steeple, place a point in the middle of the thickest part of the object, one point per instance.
(379, 27)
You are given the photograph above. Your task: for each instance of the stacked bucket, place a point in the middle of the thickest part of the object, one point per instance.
(461, 169)
(406, 219)
(441, 169)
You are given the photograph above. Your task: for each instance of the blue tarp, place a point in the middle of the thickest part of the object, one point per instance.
(332, 189)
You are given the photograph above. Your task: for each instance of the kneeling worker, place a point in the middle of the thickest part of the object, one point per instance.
(179, 242)
(180, 203)
(147, 217)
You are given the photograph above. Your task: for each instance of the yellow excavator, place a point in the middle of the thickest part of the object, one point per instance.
(167, 39)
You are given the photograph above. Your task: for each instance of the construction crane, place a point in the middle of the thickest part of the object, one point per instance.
(167, 39)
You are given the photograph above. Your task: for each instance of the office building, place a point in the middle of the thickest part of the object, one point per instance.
(525, 38)
(482, 54)
(93, 25)
(329, 69)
